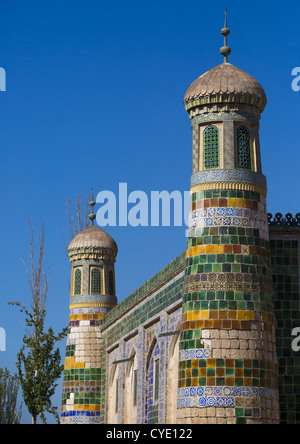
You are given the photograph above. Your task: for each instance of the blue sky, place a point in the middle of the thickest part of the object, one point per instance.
(94, 98)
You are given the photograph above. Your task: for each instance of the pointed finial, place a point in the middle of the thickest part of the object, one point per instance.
(92, 216)
(225, 50)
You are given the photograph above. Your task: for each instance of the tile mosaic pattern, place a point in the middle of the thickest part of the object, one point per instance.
(81, 383)
(228, 288)
(81, 397)
(132, 326)
(202, 397)
(229, 175)
(229, 372)
(244, 209)
(245, 386)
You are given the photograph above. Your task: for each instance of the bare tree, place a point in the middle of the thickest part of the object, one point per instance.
(37, 274)
(78, 218)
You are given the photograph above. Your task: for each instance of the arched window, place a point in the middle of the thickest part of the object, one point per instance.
(131, 387)
(152, 385)
(113, 396)
(211, 148)
(77, 282)
(111, 283)
(244, 148)
(96, 281)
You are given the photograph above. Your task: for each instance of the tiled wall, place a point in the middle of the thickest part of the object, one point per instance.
(221, 273)
(284, 245)
(141, 325)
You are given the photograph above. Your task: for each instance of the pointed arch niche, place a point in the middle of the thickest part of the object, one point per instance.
(113, 396)
(131, 390)
(173, 369)
(152, 384)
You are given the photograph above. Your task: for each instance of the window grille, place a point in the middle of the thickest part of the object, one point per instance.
(244, 148)
(211, 148)
(77, 282)
(96, 281)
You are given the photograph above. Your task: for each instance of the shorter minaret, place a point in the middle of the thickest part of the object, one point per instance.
(92, 255)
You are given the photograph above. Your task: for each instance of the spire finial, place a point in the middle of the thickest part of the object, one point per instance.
(225, 50)
(92, 216)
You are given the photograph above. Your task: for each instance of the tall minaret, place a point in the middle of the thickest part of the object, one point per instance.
(228, 364)
(92, 255)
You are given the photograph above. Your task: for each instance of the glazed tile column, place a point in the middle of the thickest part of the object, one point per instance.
(228, 365)
(92, 256)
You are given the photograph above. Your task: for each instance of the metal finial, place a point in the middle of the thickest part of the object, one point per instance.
(92, 216)
(225, 50)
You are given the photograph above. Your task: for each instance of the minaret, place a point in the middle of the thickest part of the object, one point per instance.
(228, 363)
(92, 255)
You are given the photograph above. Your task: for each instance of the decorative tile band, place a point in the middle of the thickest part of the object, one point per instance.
(224, 116)
(227, 249)
(245, 210)
(92, 253)
(228, 277)
(80, 417)
(88, 299)
(226, 286)
(210, 102)
(209, 401)
(81, 386)
(251, 221)
(225, 319)
(224, 194)
(228, 282)
(222, 186)
(216, 206)
(221, 324)
(231, 211)
(201, 353)
(93, 305)
(223, 396)
(86, 317)
(255, 392)
(229, 175)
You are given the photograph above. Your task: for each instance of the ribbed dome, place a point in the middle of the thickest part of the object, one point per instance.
(93, 237)
(227, 79)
